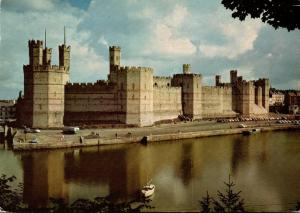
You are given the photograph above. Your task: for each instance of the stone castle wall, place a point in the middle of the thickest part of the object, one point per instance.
(166, 103)
(217, 102)
(131, 95)
(162, 81)
(91, 102)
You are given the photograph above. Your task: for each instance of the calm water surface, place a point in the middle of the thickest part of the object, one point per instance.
(266, 167)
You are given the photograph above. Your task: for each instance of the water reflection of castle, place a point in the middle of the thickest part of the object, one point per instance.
(181, 171)
(120, 171)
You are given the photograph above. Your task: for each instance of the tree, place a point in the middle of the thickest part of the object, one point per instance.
(228, 202)
(277, 13)
(205, 203)
(10, 199)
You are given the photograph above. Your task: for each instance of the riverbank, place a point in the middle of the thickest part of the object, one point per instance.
(54, 139)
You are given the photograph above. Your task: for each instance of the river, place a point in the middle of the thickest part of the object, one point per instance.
(265, 167)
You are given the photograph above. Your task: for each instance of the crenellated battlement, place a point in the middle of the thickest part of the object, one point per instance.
(35, 43)
(162, 77)
(96, 87)
(64, 47)
(44, 68)
(187, 76)
(134, 69)
(112, 48)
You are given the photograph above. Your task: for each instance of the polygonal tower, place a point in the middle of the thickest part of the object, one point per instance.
(44, 92)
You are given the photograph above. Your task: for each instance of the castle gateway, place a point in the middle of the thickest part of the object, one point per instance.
(130, 95)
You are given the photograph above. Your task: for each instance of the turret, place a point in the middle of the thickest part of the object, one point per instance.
(114, 56)
(64, 54)
(47, 52)
(187, 69)
(35, 52)
(218, 80)
(233, 76)
(114, 62)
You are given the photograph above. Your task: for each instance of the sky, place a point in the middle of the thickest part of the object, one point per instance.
(162, 34)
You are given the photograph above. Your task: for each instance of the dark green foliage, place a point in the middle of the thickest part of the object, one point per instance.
(100, 205)
(229, 201)
(298, 206)
(10, 199)
(205, 204)
(277, 13)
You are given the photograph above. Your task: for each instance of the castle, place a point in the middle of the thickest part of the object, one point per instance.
(130, 95)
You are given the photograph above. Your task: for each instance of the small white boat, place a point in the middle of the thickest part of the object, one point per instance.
(1, 210)
(148, 190)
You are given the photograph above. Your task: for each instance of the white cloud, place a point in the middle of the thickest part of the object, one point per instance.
(176, 18)
(166, 38)
(86, 63)
(23, 5)
(103, 41)
(240, 35)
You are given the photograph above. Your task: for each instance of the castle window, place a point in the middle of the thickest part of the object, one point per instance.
(133, 86)
(40, 106)
(145, 97)
(155, 84)
(168, 84)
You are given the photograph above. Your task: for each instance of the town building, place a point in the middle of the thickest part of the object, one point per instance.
(276, 98)
(130, 95)
(292, 101)
(7, 110)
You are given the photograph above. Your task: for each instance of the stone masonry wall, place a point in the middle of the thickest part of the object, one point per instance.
(166, 103)
(216, 101)
(92, 102)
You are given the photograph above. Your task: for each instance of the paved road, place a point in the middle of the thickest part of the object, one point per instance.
(47, 135)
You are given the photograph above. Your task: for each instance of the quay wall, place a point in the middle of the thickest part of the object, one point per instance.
(75, 141)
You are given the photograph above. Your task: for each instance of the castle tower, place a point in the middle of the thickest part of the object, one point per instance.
(44, 87)
(114, 56)
(114, 62)
(35, 52)
(218, 80)
(187, 69)
(64, 54)
(233, 76)
(47, 52)
(191, 92)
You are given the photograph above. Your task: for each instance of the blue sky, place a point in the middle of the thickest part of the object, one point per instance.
(162, 34)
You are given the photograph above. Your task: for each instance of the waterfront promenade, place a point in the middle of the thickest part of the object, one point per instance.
(51, 139)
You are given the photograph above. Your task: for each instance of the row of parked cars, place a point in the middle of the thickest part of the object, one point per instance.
(229, 120)
(288, 122)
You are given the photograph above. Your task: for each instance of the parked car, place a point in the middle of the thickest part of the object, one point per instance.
(28, 130)
(242, 126)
